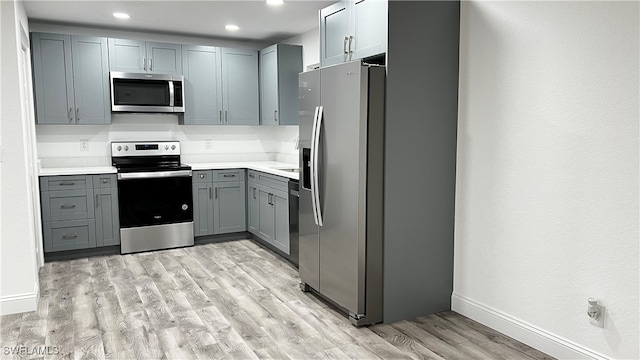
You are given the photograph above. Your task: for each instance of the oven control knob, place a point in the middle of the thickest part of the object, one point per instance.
(166, 147)
(119, 148)
(185, 207)
(126, 148)
(173, 147)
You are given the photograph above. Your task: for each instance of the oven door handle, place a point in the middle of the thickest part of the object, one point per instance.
(154, 174)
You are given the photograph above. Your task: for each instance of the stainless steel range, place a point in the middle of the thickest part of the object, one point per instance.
(155, 195)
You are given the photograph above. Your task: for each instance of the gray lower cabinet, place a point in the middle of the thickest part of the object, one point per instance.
(79, 212)
(71, 79)
(268, 209)
(219, 202)
(280, 65)
(145, 57)
(221, 86)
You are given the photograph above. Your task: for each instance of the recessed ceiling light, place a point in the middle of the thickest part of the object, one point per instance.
(119, 15)
(231, 27)
(275, 2)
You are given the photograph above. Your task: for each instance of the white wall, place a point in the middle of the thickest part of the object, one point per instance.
(310, 42)
(18, 276)
(59, 145)
(547, 173)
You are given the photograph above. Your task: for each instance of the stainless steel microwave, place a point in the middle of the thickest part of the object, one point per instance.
(155, 93)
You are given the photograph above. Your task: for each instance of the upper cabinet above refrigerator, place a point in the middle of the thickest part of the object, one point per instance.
(351, 30)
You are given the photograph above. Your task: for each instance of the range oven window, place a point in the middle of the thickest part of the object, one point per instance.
(155, 201)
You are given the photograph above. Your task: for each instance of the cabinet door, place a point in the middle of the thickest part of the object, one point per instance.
(240, 87)
(266, 220)
(164, 58)
(281, 233)
(52, 73)
(203, 87)
(334, 33)
(269, 86)
(369, 28)
(202, 209)
(253, 212)
(107, 220)
(229, 208)
(91, 80)
(127, 55)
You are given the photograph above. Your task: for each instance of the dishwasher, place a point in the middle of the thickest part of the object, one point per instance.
(294, 198)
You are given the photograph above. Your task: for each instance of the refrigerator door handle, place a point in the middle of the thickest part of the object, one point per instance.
(316, 139)
(313, 166)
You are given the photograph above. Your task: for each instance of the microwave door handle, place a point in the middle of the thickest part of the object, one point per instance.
(171, 93)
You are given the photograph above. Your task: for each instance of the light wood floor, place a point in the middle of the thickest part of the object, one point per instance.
(231, 300)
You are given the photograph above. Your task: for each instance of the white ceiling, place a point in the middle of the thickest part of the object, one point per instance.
(257, 20)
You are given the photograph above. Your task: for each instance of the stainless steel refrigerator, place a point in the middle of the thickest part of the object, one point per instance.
(341, 186)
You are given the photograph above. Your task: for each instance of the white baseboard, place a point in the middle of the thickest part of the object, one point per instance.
(522, 331)
(14, 304)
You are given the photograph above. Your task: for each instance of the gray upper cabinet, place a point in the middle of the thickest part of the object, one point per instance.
(280, 65)
(71, 79)
(334, 33)
(221, 86)
(145, 57)
(203, 85)
(352, 29)
(240, 87)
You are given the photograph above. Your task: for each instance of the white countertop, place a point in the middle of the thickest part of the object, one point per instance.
(271, 167)
(79, 170)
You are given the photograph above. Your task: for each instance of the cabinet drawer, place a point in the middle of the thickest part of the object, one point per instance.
(69, 235)
(228, 175)
(67, 205)
(273, 181)
(105, 181)
(70, 182)
(202, 176)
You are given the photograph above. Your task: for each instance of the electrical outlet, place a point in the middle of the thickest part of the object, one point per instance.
(208, 144)
(84, 145)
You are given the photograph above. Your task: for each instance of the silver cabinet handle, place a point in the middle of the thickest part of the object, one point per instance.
(209, 193)
(77, 115)
(69, 236)
(67, 206)
(344, 45)
(144, 63)
(275, 115)
(220, 118)
(252, 176)
(69, 115)
(228, 175)
(66, 183)
(226, 118)
(350, 41)
(216, 192)
(151, 63)
(97, 200)
(254, 193)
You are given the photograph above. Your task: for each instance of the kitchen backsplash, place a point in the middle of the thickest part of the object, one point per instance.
(61, 145)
